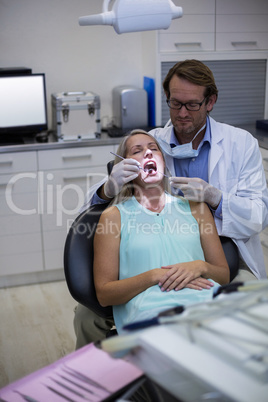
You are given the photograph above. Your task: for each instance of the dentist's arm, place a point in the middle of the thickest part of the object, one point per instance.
(198, 190)
(122, 173)
(110, 186)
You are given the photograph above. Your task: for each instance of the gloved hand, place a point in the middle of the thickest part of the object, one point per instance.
(196, 189)
(122, 172)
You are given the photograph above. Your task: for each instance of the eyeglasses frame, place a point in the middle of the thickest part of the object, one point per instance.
(185, 105)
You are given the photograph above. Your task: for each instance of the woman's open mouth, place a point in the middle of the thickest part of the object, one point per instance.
(150, 167)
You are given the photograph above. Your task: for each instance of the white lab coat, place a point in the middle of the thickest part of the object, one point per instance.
(235, 167)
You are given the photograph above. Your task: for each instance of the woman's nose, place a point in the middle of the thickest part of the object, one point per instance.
(148, 153)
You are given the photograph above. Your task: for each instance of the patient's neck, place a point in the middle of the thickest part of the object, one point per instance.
(152, 198)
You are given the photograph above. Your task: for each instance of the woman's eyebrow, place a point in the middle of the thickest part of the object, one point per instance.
(135, 146)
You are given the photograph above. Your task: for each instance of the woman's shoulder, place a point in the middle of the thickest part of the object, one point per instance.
(177, 199)
(110, 213)
(200, 210)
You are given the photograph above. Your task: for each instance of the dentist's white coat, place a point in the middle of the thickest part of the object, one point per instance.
(235, 167)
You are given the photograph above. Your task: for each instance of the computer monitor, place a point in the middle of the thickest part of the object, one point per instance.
(23, 107)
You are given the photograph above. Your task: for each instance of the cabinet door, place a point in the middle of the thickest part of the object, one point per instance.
(69, 158)
(15, 162)
(193, 32)
(241, 25)
(63, 192)
(20, 227)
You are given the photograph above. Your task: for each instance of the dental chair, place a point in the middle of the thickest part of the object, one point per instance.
(78, 257)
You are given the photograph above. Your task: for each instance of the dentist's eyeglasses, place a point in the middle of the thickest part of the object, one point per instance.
(191, 106)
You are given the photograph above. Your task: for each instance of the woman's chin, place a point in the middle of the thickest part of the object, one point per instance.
(153, 177)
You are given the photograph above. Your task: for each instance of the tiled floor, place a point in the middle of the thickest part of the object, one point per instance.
(36, 328)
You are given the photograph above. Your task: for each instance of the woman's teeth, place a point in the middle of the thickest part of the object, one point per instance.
(150, 167)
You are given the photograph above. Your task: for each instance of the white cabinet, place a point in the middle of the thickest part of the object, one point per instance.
(241, 25)
(193, 32)
(20, 226)
(66, 175)
(41, 193)
(217, 25)
(209, 30)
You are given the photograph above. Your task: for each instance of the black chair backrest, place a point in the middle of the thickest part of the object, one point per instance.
(231, 254)
(78, 260)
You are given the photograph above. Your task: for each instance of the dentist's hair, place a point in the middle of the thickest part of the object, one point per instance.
(195, 72)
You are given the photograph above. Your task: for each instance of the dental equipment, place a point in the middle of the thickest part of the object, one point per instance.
(121, 157)
(135, 15)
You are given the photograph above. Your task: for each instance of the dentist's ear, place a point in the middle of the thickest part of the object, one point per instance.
(211, 102)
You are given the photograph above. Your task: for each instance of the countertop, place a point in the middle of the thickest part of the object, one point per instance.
(259, 134)
(104, 139)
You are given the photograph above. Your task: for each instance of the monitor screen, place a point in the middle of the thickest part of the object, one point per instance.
(23, 109)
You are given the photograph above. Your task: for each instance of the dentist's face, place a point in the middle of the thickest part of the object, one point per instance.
(186, 123)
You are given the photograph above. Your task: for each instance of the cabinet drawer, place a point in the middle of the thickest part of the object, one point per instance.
(242, 23)
(19, 264)
(74, 157)
(21, 254)
(242, 41)
(64, 195)
(186, 42)
(18, 162)
(26, 182)
(19, 204)
(54, 249)
(19, 224)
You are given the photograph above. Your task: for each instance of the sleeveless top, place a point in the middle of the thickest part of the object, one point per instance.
(151, 240)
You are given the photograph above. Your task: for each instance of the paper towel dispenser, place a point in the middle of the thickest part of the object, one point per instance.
(130, 107)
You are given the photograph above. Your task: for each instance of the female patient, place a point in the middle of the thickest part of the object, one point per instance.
(154, 251)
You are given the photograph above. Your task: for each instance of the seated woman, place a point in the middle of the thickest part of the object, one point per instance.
(154, 251)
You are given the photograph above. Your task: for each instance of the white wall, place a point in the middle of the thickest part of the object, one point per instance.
(45, 36)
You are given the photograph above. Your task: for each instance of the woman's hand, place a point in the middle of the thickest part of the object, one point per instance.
(182, 275)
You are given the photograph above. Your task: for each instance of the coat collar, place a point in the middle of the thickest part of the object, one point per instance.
(216, 150)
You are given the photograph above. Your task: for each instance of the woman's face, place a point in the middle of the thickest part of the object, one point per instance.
(144, 149)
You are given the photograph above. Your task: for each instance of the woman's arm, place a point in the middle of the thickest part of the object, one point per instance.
(215, 265)
(109, 289)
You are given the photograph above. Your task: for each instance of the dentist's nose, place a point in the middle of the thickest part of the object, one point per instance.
(183, 112)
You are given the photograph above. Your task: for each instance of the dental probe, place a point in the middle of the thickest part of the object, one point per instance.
(121, 157)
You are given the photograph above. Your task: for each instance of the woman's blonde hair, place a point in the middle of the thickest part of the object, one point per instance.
(128, 188)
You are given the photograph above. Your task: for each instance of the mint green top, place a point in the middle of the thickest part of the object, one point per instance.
(151, 240)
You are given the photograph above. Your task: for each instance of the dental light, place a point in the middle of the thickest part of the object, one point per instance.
(135, 15)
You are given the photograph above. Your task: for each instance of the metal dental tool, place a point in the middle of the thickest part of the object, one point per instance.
(121, 157)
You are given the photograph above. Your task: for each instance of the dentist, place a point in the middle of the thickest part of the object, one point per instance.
(208, 162)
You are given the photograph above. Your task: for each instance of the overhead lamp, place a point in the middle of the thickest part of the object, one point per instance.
(135, 15)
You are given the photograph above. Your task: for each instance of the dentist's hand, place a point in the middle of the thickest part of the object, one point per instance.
(195, 189)
(122, 172)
